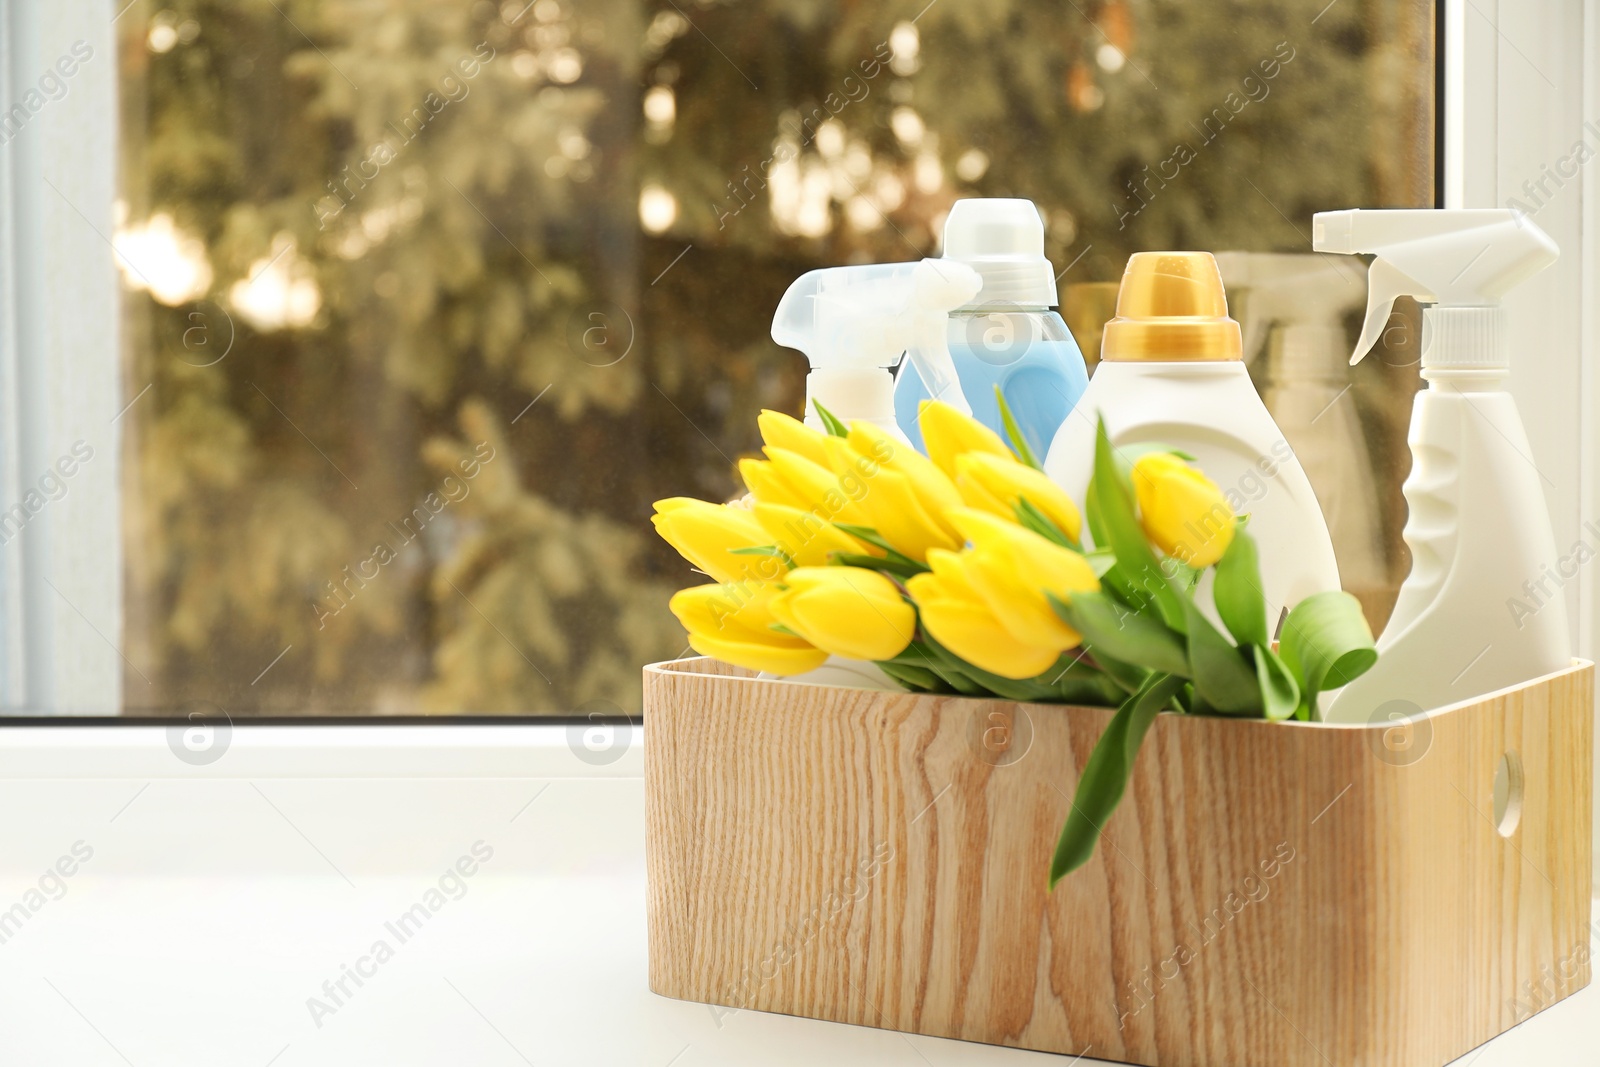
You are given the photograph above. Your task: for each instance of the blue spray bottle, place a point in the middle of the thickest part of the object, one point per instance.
(1010, 336)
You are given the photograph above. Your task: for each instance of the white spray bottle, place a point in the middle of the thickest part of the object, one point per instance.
(1479, 530)
(1293, 321)
(853, 323)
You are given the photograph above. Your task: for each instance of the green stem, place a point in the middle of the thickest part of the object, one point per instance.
(1105, 777)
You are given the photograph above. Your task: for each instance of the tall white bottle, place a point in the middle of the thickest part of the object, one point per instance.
(1170, 371)
(1479, 531)
(1294, 305)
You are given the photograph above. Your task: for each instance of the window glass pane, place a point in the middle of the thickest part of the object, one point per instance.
(433, 299)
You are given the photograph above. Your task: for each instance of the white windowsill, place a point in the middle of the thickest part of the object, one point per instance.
(149, 751)
(218, 900)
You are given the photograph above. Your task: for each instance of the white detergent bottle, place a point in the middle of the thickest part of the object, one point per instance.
(1170, 371)
(853, 324)
(1479, 530)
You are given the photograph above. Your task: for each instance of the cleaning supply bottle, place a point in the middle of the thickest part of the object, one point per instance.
(1477, 612)
(1292, 315)
(1011, 337)
(1171, 371)
(854, 323)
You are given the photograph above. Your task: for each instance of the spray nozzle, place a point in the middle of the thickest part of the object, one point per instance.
(1287, 287)
(863, 318)
(939, 286)
(1457, 262)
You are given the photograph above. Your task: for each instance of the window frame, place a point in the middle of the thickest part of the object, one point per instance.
(57, 189)
(60, 363)
(1533, 88)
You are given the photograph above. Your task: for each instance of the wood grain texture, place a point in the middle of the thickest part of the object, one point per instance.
(1268, 895)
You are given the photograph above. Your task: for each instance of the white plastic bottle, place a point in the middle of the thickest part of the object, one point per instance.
(853, 324)
(1294, 306)
(1170, 371)
(1477, 612)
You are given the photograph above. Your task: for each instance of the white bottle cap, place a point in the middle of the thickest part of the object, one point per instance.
(1003, 240)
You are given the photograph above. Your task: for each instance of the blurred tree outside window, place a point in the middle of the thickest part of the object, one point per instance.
(434, 298)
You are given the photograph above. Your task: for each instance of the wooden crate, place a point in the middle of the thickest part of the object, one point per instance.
(1268, 895)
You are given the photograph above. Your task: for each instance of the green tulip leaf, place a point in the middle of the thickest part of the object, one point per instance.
(1014, 438)
(1133, 637)
(1101, 559)
(961, 683)
(1236, 591)
(1097, 691)
(769, 551)
(875, 539)
(865, 533)
(1105, 777)
(1326, 643)
(1026, 690)
(1029, 517)
(1137, 573)
(920, 656)
(899, 568)
(830, 421)
(1222, 678)
(1128, 676)
(917, 679)
(1280, 693)
(1074, 679)
(1091, 519)
(1115, 583)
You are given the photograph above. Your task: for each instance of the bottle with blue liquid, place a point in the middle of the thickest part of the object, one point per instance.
(1010, 336)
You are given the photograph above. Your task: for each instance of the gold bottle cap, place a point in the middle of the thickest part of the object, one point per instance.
(1171, 308)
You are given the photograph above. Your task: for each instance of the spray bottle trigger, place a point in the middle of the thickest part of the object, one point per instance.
(1385, 282)
(939, 286)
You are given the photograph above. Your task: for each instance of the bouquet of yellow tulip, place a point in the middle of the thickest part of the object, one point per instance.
(962, 571)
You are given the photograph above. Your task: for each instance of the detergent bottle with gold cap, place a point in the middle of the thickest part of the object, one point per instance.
(1171, 370)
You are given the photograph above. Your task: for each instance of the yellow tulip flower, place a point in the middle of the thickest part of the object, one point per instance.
(805, 537)
(789, 478)
(958, 617)
(1013, 568)
(847, 611)
(784, 431)
(733, 623)
(932, 486)
(705, 534)
(892, 505)
(946, 434)
(994, 484)
(1182, 511)
(673, 503)
(765, 484)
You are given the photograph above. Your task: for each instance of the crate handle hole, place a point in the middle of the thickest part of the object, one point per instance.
(1508, 794)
